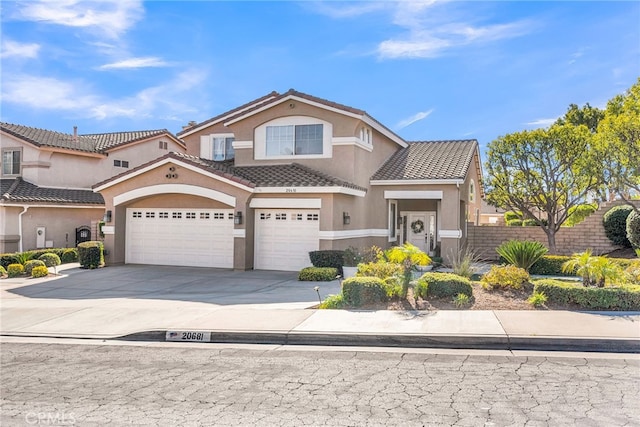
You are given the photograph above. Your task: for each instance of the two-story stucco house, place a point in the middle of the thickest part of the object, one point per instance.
(265, 183)
(46, 180)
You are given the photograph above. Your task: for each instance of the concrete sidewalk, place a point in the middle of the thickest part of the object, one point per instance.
(276, 310)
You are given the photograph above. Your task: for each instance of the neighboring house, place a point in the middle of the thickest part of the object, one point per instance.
(46, 180)
(490, 215)
(265, 183)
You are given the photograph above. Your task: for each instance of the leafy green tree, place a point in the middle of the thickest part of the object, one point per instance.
(542, 171)
(409, 256)
(617, 147)
(587, 115)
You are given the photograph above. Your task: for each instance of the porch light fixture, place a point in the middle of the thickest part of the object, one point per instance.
(237, 218)
(399, 221)
(107, 216)
(346, 219)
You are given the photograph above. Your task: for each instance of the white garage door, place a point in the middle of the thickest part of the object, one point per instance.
(284, 238)
(187, 237)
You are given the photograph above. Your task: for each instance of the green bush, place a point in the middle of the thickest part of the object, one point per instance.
(23, 257)
(327, 258)
(69, 255)
(505, 277)
(2, 271)
(40, 271)
(332, 302)
(50, 259)
(461, 300)
(91, 254)
(28, 266)
(632, 274)
(442, 285)
(537, 299)
(529, 222)
(318, 274)
(511, 215)
(380, 269)
(521, 253)
(514, 223)
(615, 224)
(550, 265)
(579, 213)
(563, 293)
(15, 270)
(357, 291)
(633, 229)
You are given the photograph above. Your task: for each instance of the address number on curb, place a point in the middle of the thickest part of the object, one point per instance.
(197, 336)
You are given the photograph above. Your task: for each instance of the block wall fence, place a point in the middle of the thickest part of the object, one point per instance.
(589, 234)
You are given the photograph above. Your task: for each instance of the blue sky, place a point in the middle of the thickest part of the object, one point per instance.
(427, 70)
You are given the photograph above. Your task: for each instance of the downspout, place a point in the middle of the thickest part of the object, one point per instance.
(458, 216)
(24, 210)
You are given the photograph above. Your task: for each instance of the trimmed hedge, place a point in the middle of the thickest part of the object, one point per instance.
(91, 254)
(50, 259)
(318, 274)
(327, 258)
(550, 265)
(505, 277)
(15, 270)
(40, 271)
(627, 298)
(66, 255)
(29, 265)
(615, 224)
(514, 223)
(69, 255)
(380, 269)
(633, 229)
(442, 285)
(2, 271)
(357, 291)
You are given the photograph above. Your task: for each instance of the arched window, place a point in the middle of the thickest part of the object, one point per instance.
(472, 191)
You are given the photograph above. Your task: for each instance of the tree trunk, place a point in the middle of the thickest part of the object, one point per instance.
(551, 240)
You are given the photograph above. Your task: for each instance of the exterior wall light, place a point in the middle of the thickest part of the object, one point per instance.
(237, 218)
(346, 219)
(107, 216)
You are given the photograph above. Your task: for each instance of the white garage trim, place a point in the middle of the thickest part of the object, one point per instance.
(421, 195)
(240, 233)
(352, 234)
(192, 190)
(286, 203)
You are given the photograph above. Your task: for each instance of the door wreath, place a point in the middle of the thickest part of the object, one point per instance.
(417, 226)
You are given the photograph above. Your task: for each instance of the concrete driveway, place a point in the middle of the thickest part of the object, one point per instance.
(206, 285)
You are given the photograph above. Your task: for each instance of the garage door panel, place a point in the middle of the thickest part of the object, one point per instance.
(184, 237)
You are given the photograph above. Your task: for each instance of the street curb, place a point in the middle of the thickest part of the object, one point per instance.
(483, 342)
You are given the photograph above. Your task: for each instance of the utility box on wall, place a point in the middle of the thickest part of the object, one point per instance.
(40, 237)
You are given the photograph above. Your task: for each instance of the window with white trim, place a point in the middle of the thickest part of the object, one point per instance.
(11, 161)
(222, 147)
(294, 140)
(366, 135)
(393, 214)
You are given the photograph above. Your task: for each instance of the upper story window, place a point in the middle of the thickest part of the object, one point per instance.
(121, 163)
(11, 161)
(472, 191)
(294, 140)
(293, 137)
(217, 147)
(163, 145)
(366, 135)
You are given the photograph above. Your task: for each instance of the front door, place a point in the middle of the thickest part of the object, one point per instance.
(421, 230)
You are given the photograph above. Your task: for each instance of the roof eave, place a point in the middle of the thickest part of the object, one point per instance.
(443, 181)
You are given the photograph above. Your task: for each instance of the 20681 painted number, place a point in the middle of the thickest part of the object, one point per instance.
(197, 336)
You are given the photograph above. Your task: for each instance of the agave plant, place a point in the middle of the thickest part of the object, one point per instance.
(522, 253)
(594, 270)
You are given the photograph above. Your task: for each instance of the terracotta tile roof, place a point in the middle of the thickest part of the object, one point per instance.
(287, 175)
(19, 191)
(92, 143)
(423, 160)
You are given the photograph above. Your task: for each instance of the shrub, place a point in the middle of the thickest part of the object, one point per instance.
(511, 215)
(91, 254)
(332, 302)
(2, 271)
(505, 276)
(40, 271)
(514, 223)
(633, 229)
(327, 258)
(318, 274)
(69, 255)
(463, 261)
(615, 224)
(23, 257)
(461, 300)
(29, 265)
(442, 285)
(409, 257)
(594, 270)
(537, 299)
(351, 257)
(380, 269)
(632, 274)
(357, 291)
(50, 259)
(15, 270)
(529, 222)
(550, 265)
(521, 253)
(579, 213)
(590, 298)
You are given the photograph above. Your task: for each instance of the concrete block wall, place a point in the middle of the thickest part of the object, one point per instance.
(589, 234)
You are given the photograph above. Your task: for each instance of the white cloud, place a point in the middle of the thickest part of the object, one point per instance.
(111, 18)
(13, 49)
(542, 122)
(45, 93)
(415, 118)
(431, 31)
(142, 62)
(339, 10)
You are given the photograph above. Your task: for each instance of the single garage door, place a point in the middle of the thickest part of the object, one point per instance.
(186, 237)
(284, 238)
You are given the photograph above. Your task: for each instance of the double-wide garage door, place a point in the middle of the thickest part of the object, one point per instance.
(185, 237)
(284, 238)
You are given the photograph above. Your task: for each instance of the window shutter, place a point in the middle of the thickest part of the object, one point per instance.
(206, 151)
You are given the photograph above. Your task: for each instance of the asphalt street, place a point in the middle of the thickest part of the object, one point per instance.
(49, 383)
